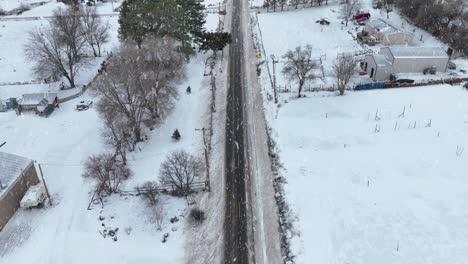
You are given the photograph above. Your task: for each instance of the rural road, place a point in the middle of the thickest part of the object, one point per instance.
(235, 225)
(251, 228)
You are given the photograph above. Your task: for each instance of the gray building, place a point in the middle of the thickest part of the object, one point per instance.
(388, 34)
(395, 60)
(17, 174)
(34, 100)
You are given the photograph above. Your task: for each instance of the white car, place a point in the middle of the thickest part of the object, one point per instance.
(84, 105)
(34, 197)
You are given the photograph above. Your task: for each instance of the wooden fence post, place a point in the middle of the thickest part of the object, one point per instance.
(45, 186)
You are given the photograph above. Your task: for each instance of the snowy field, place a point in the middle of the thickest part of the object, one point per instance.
(285, 31)
(377, 188)
(15, 67)
(368, 184)
(68, 232)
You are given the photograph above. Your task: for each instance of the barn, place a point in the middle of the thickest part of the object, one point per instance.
(398, 59)
(388, 34)
(17, 174)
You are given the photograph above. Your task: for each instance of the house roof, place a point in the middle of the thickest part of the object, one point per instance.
(36, 98)
(382, 26)
(417, 52)
(381, 60)
(11, 167)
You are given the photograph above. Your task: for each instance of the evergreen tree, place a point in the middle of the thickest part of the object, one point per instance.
(215, 41)
(176, 135)
(130, 22)
(194, 18)
(179, 19)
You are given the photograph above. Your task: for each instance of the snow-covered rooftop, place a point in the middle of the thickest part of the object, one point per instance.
(11, 167)
(382, 26)
(405, 52)
(36, 98)
(381, 60)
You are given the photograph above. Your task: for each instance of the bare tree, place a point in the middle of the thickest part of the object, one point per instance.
(107, 171)
(348, 8)
(115, 132)
(179, 170)
(95, 31)
(300, 66)
(166, 66)
(58, 49)
(344, 70)
(150, 191)
(53, 59)
(68, 24)
(138, 84)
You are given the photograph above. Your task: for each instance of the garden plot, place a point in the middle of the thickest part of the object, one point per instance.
(378, 176)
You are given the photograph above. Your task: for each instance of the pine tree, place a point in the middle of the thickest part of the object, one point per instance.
(176, 135)
(215, 41)
(130, 24)
(182, 20)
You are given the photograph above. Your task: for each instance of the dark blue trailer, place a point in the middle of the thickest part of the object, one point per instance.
(369, 86)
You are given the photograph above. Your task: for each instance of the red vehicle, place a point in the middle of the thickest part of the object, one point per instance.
(362, 17)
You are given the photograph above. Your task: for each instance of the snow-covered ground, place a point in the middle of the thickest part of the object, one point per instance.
(388, 191)
(15, 66)
(283, 31)
(68, 232)
(8, 5)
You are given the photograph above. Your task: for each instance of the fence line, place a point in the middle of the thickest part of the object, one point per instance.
(85, 87)
(286, 8)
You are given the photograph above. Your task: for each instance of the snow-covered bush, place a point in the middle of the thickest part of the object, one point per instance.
(108, 172)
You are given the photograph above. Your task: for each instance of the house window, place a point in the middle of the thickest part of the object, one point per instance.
(365, 67)
(372, 73)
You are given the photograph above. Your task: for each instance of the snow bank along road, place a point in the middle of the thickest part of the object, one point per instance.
(251, 221)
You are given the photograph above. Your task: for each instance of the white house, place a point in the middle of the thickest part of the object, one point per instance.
(394, 60)
(388, 34)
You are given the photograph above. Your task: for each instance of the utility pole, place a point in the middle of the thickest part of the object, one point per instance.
(45, 186)
(207, 161)
(274, 77)
(213, 93)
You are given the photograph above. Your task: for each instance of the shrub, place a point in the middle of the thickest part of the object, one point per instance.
(179, 170)
(107, 171)
(197, 215)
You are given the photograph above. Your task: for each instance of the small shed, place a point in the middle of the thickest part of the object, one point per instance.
(17, 174)
(42, 103)
(388, 34)
(398, 59)
(32, 100)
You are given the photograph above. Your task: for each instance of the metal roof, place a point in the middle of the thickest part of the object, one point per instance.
(417, 52)
(11, 167)
(382, 60)
(382, 26)
(36, 98)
